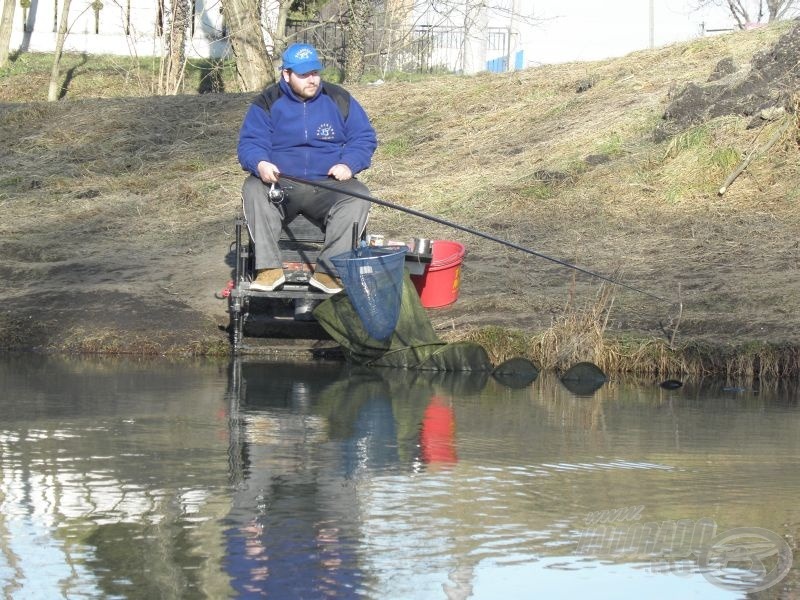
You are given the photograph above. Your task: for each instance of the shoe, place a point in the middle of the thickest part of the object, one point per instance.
(326, 283)
(268, 280)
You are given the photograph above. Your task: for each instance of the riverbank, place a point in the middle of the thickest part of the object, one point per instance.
(118, 212)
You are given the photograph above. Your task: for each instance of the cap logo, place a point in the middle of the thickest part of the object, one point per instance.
(303, 54)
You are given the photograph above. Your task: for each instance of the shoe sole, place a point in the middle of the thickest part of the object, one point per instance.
(321, 286)
(257, 287)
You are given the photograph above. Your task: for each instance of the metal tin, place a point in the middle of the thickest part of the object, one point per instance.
(422, 246)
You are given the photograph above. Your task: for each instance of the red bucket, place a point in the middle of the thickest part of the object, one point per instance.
(439, 284)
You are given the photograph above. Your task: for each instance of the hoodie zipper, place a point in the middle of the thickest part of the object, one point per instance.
(305, 132)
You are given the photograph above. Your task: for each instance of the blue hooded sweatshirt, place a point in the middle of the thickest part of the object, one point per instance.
(306, 138)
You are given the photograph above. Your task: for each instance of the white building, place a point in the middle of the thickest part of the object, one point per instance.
(118, 27)
(513, 33)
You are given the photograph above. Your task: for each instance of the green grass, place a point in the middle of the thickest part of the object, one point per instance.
(108, 76)
(611, 146)
(27, 75)
(396, 148)
(696, 137)
(537, 191)
(725, 158)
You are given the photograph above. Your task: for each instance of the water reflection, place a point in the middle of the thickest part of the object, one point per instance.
(149, 478)
(303, 442)
(108, 483)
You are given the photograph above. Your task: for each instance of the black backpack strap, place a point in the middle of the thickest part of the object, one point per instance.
(268, 97)
(340, 96)
(336, 93)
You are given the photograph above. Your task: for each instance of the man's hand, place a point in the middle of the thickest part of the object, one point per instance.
(340, 172)
(268, 172)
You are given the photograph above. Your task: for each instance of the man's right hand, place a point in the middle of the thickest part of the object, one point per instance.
(268, 172)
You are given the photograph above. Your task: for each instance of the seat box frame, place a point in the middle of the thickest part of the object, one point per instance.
(271, 313)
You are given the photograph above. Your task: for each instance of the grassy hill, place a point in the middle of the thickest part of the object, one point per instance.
(118, 210)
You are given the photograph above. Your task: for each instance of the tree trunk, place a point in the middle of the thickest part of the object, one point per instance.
(772, 10)
(397, 35)
(6, 24)
(356, 36)
(53, 90)
(779, 8)
(174, 61)
(253, 66)
(279, 36)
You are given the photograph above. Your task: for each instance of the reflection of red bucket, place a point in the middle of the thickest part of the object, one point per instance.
(439, 284)
(438, 432)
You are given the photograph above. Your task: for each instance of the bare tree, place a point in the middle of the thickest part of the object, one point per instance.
(63, 26)
(245, 25)
(173, 61)
(385, 28)
(394, 30)
(467, 19)
(398, 34)
(357, 20)
(6, 24)
(278, 34)
(748, 12)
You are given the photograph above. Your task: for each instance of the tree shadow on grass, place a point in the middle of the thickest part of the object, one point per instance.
(71, 75)
(211, 80)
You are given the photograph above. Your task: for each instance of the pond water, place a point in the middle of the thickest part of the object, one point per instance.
(123, 478)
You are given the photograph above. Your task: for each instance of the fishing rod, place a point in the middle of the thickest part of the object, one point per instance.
(435, 219)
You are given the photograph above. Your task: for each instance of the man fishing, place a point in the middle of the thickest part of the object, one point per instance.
(311, 129)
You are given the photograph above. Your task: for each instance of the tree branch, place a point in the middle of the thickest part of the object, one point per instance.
(788, 120)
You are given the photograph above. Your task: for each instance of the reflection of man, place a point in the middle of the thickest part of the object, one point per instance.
(312, 129)
(293, 522)
(321, 450)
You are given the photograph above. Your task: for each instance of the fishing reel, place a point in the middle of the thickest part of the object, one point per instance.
(276, 194)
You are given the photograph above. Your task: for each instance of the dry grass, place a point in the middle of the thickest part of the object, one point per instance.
(581, 334)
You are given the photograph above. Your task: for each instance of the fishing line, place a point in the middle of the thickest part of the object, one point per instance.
(435, 219)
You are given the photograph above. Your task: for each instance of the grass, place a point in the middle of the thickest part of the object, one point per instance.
(395, 148)
(578, 336)
(521, 155)
(27, 76)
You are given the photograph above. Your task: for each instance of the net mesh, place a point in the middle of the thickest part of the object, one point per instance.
(373, 279)
(413, 345)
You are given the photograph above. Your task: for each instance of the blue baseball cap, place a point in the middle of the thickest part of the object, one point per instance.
(301, 58)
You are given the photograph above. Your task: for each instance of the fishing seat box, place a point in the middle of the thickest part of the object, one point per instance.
(285, 312)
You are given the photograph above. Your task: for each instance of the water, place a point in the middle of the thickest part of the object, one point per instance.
(150, 479)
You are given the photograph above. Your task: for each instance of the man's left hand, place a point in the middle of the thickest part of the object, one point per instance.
(340, 172)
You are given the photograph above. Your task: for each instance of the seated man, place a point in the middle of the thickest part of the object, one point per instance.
(308, 128)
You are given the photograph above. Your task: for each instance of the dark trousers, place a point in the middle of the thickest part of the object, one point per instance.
(333, 211)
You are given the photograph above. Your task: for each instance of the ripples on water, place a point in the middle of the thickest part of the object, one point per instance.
(157, 479)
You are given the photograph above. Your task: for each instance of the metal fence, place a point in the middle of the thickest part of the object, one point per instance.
(425, 49)
(330, 39)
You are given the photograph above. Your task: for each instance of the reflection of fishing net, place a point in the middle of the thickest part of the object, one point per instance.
(373, 278)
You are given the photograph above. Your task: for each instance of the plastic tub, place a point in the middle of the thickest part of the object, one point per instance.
(440, 282)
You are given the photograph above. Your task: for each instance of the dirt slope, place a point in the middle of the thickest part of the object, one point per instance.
(118, 213)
